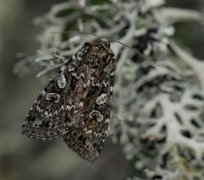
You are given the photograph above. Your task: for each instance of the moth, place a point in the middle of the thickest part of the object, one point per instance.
(75, 105)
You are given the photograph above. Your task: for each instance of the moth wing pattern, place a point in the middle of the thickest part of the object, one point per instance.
(76, 103)
(46, 119)
(93, 109)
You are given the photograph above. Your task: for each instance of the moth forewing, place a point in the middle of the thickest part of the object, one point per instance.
(75, 105)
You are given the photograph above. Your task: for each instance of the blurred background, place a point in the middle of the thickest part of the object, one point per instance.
(23, 158)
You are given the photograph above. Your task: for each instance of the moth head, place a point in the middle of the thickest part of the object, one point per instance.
(103, 44)
(106, 45)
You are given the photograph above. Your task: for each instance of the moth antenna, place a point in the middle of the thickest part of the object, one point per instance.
(93, 34)
(135, 50)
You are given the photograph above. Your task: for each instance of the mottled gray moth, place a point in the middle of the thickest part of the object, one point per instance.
(75, 105)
